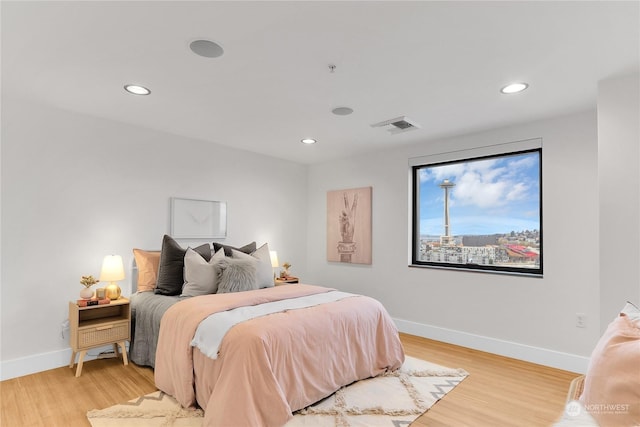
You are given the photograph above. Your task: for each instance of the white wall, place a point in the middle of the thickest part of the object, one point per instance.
(77, 188)
(525, 317)
(619, 183)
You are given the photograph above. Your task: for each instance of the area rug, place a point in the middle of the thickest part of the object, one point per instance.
(395, 399)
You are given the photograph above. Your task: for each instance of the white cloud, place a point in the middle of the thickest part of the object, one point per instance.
(474, 189)
(483, 183)
(517, 192)
(522, 163)
(446, 171)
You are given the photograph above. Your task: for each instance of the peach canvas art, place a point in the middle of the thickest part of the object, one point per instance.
(349, 225)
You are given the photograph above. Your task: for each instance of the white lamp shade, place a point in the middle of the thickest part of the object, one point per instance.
(274, 259)
(112, 269)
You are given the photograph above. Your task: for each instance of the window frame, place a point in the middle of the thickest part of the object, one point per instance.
(466, 156)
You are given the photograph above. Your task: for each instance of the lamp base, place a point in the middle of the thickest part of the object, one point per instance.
(112, 291)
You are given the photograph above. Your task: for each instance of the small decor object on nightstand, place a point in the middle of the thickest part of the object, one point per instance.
(285, 272)
(112, 271)
(93, 301)
(285, 276)
(88, 282)
(287, 280)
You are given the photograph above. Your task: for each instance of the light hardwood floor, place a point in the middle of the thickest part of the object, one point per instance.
(498, 392)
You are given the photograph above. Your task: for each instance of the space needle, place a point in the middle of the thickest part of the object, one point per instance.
(446, 240)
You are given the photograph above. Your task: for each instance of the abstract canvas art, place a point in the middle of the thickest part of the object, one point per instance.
(349, 225)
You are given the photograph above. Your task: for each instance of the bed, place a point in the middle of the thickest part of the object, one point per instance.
(147, 309)
(265, 367)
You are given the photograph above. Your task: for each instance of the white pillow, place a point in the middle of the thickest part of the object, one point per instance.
(264, 270)
(201, 277)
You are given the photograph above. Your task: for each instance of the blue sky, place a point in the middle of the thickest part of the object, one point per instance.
(495, 195)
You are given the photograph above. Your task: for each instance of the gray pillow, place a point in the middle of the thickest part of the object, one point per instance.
(238, 274)
(247, 249)
(201, 277)
(171, 268)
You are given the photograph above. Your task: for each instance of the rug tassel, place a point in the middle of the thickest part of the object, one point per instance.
(115, 412)
(428, 373)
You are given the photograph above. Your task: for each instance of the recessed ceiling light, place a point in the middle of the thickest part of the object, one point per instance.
(137, 90)
(308, 141)
(342, 111)
(206, 48)
(514, 88)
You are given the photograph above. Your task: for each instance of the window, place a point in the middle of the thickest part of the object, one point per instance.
(479, 213)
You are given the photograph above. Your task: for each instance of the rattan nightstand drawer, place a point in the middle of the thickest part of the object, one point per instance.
(103, 334)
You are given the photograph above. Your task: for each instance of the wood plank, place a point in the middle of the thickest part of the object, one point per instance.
(498, 392)
(57, 398)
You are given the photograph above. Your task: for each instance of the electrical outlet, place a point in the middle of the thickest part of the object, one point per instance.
(581, 320)
(64, 329)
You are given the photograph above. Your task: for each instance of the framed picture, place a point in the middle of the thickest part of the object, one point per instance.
(195, 219)
(349, 225)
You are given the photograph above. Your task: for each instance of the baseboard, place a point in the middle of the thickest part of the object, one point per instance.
(541, 356)
(43, 362)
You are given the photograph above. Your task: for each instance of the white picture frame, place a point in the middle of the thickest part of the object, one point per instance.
(197, 219)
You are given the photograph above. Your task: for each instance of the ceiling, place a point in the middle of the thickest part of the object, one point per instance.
(441, 64)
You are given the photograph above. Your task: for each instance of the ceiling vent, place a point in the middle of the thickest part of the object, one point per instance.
(397, 125)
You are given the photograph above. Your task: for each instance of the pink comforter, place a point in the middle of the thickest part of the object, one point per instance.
(270, 366)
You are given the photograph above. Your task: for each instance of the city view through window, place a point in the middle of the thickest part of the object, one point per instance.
(482, 213)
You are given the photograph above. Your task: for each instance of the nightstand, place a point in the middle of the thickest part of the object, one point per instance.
(99, 325)
(287, 281)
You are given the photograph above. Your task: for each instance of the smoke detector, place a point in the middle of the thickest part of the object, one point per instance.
(397, 125)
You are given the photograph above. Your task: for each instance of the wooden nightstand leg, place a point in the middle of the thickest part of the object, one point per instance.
(80, 362)
(73, 359)
(124, 353)
(115, 349)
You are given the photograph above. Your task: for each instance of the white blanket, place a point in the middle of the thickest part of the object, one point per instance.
(212, 330)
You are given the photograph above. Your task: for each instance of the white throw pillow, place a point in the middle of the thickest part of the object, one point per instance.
(201, 277)
(264, 270)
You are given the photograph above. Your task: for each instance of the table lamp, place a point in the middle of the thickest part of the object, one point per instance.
(112, 271)
(274, 262)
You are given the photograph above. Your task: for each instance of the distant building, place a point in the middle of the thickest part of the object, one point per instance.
(483, 255)
(486, 240)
